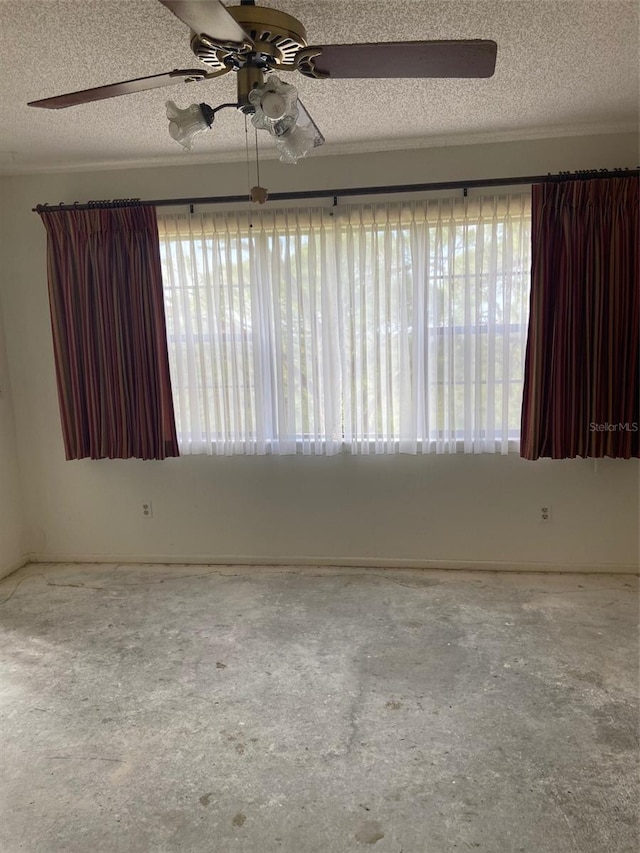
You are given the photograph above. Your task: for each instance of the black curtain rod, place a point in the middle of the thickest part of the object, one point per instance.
(344, 192)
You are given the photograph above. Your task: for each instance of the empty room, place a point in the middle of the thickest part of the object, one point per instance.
(319, 426)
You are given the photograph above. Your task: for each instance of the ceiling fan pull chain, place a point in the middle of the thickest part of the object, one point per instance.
(246, 145)
(257, 194)
(257, 157)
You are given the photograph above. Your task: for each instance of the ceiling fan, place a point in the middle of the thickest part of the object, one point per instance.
(254, 40)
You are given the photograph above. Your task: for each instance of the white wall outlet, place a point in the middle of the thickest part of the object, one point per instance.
(545, 514)
(147, 509)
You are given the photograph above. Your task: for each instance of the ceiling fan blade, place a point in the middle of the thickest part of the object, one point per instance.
(307, 123)
(476, 58)
(127, 87)
(209, 17)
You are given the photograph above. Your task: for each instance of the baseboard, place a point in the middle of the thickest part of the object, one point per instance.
(13, 567)
(346, 562)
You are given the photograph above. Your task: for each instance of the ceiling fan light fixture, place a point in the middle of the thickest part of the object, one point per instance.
(276, 106)
(294, 144)
(279, 110)
(185, 124)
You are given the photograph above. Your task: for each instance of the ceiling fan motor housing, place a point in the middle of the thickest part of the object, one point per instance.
(276, 38)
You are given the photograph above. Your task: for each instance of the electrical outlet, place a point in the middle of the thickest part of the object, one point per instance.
(545, 514)
(147, 509)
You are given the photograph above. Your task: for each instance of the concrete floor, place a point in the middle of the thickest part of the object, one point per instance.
(152, 709)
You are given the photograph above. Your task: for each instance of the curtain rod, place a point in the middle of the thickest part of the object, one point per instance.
(580, 175)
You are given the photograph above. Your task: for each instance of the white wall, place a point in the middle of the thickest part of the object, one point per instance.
(12, 540)
(450, 510)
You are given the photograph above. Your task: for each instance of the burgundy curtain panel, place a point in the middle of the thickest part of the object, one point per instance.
(109, 334)
(581, 385)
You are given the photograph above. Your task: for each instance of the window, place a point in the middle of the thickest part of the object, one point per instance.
(368, 328)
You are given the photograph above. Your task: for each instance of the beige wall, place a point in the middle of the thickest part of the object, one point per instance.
(450, 510)
(13, 546)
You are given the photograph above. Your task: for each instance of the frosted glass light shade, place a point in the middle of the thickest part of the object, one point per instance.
(276, 106)
(184, 124)
(294, 144)
(299, 140)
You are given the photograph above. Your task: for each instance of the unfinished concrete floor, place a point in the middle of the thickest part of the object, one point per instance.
(152, 709)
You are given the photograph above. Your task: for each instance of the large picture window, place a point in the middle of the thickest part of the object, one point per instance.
(364, 328)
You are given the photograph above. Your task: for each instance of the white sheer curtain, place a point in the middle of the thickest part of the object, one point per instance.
(368, 328)
(252, 337)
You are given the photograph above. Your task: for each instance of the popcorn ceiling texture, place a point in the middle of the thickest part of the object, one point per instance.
(563, 68)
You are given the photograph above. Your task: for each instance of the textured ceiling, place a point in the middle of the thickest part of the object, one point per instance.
(564, 67)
